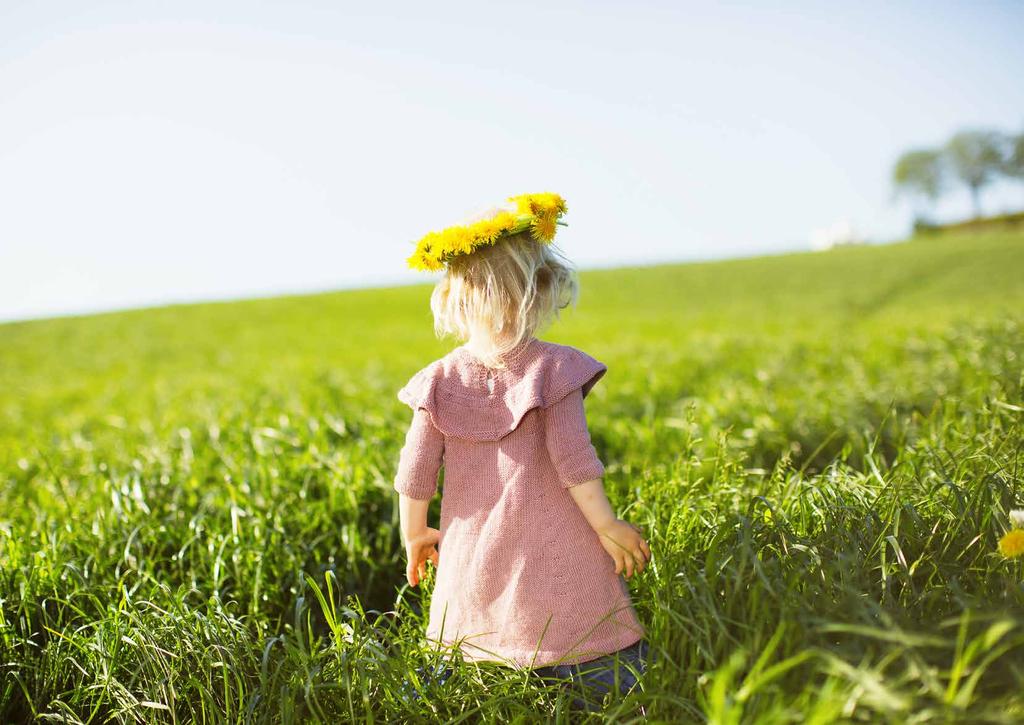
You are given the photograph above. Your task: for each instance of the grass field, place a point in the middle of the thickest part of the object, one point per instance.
(197, 522)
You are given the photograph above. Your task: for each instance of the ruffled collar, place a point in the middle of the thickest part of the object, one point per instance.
(468, 399)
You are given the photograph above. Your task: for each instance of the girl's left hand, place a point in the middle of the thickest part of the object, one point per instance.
(626, 545)
(420, 549)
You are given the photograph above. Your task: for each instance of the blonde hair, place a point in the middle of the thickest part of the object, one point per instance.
(503, 293)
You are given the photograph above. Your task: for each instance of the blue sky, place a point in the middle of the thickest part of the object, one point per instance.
(155, 152)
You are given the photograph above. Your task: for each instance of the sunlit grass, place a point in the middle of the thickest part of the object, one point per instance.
(197, 521)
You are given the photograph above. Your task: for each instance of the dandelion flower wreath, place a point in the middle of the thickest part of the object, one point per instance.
(538, 213)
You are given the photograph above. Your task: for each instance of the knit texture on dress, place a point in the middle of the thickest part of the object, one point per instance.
(523, 578)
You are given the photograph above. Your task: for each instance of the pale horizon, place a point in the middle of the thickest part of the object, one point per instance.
(154, 155)
(402, 280)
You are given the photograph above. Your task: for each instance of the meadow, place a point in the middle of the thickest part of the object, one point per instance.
(197, 522)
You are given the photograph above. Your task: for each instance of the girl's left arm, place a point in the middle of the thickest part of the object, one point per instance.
(416, 483)
(581, 472)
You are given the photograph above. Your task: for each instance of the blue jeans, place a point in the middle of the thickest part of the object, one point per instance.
(591, 681)
(588, 681)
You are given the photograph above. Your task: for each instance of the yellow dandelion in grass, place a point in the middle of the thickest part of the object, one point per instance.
(1012, 544)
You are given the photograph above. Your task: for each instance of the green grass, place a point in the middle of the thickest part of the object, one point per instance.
(197, 521)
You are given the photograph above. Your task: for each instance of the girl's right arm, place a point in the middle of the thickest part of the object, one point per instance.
(420, 540)
(416, 482)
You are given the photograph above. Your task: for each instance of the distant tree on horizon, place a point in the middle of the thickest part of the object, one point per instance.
(975, 156)
(1013, 165)
(919, 173)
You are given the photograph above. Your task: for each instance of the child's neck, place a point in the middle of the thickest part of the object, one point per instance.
(482, 346)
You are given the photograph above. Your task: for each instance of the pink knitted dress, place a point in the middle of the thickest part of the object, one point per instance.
(523, 578)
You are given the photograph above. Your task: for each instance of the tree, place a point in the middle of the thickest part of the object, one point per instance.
(975, 156)
(919, 173)
(1013, 165)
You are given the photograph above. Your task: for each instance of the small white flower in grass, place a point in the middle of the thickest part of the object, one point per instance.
(1017, 518)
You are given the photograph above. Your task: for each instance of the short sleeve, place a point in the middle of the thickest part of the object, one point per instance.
(568, 441)
(420, 458)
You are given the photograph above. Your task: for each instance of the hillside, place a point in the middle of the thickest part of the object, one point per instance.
(825, 446)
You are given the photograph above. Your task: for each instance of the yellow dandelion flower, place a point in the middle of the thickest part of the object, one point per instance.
(494, 229)
(434, 244)
(506, 221)
(460, 240)
(424, 262)
(522, 203)
(548, 203)
(537, 212)
(481, 232)
(544, 228)
(487, 231)
(1012, 544)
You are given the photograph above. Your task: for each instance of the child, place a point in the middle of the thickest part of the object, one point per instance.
(531, 552)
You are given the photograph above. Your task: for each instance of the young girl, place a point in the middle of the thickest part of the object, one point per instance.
(531, 553)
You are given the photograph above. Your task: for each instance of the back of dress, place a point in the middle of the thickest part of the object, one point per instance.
(523, 577)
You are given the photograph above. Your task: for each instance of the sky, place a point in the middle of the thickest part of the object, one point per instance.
(155, 152)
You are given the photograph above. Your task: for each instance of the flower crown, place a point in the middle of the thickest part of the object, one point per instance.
(540, 213)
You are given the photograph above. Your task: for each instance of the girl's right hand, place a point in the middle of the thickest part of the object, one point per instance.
(625, 543)
(419, 549)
